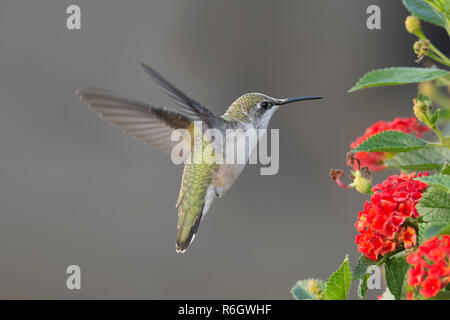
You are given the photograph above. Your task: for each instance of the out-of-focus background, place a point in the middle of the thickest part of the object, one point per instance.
(75, 190)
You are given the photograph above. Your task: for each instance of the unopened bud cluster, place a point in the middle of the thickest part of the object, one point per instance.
(422, 49)
(412, 25)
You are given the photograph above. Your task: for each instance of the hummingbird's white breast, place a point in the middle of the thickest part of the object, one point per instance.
(227, 173)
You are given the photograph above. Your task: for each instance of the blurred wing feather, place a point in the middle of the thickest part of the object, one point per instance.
(186, 105)
(148, 124)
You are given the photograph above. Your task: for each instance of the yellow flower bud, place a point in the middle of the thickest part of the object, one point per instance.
(412, 25)
(362, 180)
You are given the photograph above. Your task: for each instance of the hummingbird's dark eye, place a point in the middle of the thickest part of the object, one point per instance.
(264, 104)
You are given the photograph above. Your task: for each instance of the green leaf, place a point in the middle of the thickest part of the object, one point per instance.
(440, 181)
(360, 270)
(301, 291)
(396, 268)
(390, 141)
(360, 273)
(435, 117)
(434, 206)
(425, 12)
(397, 76)
(339, 282)
(422, 231)
(428, 158)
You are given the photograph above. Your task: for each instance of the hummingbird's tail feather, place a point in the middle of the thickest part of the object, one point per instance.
(194, 199)
(186, 234)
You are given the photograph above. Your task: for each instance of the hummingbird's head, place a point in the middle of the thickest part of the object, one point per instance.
(257, 108)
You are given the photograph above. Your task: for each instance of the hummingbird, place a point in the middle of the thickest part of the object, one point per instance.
(201, 183)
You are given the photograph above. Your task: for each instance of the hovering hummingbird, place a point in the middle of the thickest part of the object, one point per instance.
(201, 182)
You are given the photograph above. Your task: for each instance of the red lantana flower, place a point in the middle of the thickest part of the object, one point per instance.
(381, 225)
(374, 160)
(430, 270)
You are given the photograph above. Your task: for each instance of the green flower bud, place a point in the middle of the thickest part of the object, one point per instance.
(412, 25)
(420, 111)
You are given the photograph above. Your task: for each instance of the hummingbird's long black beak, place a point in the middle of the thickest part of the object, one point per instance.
(289, 100)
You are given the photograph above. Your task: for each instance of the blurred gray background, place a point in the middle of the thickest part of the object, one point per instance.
(75, 190)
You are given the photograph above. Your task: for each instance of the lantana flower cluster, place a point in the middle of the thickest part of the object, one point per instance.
(375, 160)
(381, 225)
(430, 270)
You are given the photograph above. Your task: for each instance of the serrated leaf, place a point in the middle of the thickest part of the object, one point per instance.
(435, 116)
(397, 76)
(440, 181)
(396, 271)
(390, 141)
(339, 282)
(360, 270)
(434, 206)
(360, 273)
(421, 233)
(427, 158)
(425, 12)
(301, 291)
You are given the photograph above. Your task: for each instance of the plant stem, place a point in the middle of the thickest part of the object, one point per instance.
(444, 62)
(440, 54)
(438, 133)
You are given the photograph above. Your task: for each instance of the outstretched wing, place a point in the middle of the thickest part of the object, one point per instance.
(148, 124)
(186, 105)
